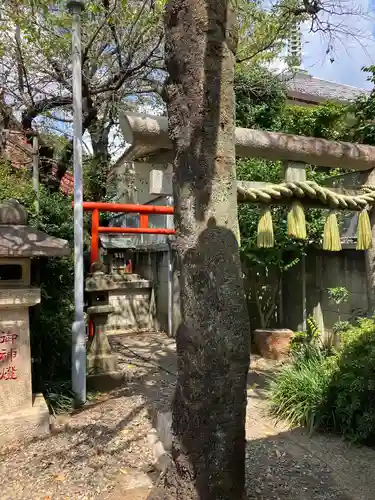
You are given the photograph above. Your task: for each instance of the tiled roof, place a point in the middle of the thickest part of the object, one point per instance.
(306, 88)
(19, 153)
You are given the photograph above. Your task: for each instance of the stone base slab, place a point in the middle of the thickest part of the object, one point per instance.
(101, 363)
(103, 382)
(25, 423)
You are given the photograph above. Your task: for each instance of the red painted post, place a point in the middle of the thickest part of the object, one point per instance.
(91, 328)
(94, 254)
(95, 236)
(143, 221)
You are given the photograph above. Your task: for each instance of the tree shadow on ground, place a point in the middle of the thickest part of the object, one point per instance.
(150, 364)
(278, 468)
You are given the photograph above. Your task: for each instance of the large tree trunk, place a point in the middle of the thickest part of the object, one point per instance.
(213, 340)
(99, 163)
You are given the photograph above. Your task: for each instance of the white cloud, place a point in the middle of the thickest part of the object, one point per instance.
(278, 65)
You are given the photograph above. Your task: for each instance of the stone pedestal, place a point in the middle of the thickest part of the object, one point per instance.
(100, 358)
(102, 364)
(22, 414)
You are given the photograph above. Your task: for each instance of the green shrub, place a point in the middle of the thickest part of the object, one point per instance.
(298, 391)
(59, 397)
(16, 184)
(351, 396)
(332, 391)
(308, 338)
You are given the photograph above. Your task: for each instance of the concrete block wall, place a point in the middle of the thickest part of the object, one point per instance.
(345, 270)
(326, 270)
(153, 266)
(323, 270)
(134, 309)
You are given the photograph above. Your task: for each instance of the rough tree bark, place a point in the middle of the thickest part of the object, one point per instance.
(100, 161)
(213, 340)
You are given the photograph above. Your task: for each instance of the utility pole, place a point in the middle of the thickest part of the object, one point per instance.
(78, 327)
(36, 174)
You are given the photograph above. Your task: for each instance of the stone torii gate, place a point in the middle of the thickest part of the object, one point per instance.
(149, 140)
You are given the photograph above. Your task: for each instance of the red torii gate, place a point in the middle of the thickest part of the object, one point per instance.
(143, 210)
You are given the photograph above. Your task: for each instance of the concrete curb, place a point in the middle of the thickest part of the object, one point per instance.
(160, 439)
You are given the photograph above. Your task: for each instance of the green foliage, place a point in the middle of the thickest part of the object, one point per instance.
(299, 390)
(350, 407)
(51, 321)
(59, 397)
(363, 112)
(302, 339)
(334, 390)
(95, 178)
(327, 121)
(338, 294)
(15, 184)
(264, 27)
(260, 98)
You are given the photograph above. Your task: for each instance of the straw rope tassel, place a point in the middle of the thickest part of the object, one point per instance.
(331, 235)
(265, 236)
(364, 234)
(297, 221)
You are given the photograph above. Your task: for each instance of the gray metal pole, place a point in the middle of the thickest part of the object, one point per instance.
(170, 225)
(78, 327)
(304, 305)
(36, 173)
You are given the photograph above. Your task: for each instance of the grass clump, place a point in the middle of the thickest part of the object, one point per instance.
(298, 391)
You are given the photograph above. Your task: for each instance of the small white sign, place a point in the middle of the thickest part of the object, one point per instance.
(160, 183)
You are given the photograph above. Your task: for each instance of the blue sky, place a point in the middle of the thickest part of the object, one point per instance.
(350, 53)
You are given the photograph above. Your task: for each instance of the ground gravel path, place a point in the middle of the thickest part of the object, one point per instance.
(101, 451)
(85, 455)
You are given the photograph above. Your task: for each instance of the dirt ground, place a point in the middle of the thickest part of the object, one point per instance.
(102, 451)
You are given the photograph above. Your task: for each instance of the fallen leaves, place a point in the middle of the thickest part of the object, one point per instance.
(60, 477)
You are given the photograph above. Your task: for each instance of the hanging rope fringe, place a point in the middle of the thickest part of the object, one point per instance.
(297, 221)
(265, 237)
(331, 235)
(364, 235)
(316, 195)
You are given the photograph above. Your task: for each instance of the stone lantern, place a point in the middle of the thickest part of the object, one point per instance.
(21, 413)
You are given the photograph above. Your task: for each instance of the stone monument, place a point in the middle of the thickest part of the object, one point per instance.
(22, 413)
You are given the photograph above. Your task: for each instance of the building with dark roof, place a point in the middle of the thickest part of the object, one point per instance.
(307, 90)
